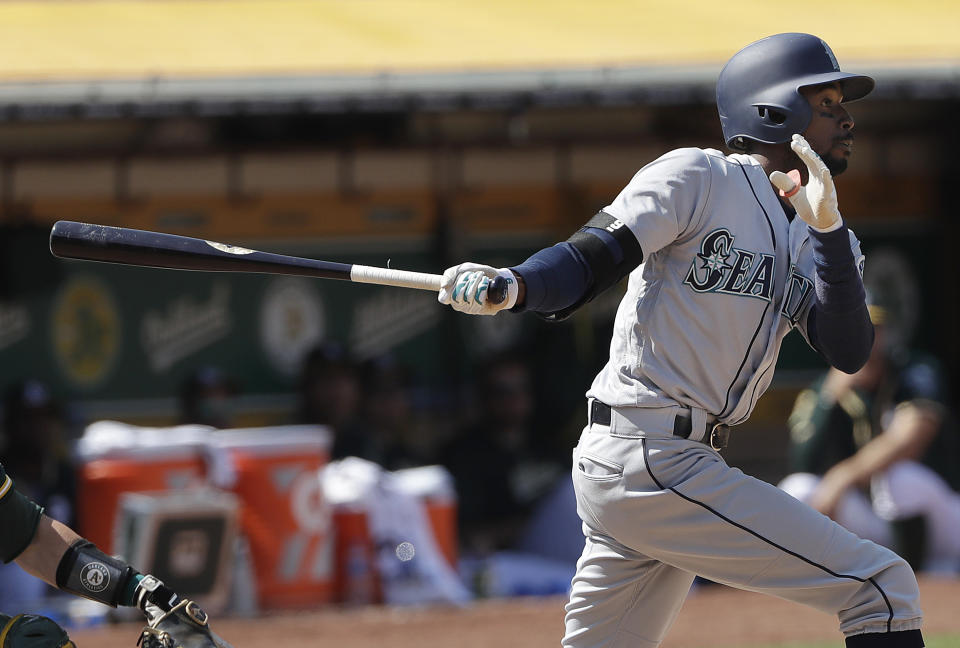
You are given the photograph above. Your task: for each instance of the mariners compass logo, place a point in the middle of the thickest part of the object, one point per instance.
(720, 267)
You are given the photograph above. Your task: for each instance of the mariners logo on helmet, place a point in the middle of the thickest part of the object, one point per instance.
(758, 90)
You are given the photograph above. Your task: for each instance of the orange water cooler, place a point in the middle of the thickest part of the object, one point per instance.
(356, 576)
(433, 486)
(442, 513)
(284, 514)
(128, 459)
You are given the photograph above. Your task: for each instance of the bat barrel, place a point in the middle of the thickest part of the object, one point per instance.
(89, 242)
(72, 240)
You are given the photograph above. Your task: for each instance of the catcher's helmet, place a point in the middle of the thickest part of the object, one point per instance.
(32, 631)
(758, 89)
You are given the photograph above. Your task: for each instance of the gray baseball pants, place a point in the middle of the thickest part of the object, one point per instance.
(658, 510)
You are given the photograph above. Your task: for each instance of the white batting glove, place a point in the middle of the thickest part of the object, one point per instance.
(816, 202)
(464, 288)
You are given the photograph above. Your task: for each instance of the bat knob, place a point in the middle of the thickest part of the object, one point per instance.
(497, 290)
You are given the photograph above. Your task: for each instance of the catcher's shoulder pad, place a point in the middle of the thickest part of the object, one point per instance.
(32, 631)
(186, 625)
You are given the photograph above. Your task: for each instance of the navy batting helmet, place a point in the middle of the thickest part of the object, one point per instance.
(758, 90)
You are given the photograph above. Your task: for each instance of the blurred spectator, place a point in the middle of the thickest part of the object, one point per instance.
(878, 451)
(382, 431)
(206, 398)
(34, 447)
(499, 471)
(329, 388)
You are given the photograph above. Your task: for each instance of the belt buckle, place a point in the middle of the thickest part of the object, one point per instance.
(719, 435)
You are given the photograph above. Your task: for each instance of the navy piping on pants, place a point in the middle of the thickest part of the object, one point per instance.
(646, 459)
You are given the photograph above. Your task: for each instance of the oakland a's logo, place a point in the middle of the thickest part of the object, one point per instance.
(86, 330)
(94, 577)
(720, 267)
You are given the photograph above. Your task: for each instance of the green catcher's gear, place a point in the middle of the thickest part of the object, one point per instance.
(32, 631)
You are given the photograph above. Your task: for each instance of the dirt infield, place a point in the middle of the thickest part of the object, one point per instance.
(713, 616)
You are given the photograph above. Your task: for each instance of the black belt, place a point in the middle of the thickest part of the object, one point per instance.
(600, 413)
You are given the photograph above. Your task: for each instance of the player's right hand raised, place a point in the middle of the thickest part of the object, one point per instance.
(464, 287)
(815, 202)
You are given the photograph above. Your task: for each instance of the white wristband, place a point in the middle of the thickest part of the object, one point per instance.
(513, 288)
(832, 228)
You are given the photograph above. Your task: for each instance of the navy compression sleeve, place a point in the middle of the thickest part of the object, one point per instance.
(555, 277)
(839, 325)
(562, 278)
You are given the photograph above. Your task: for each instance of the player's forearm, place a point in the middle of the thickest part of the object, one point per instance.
(58, 555)
(51, 541)
(912, 429)
(905, 438)
(839, 325)
(857, 470)
(553, 278)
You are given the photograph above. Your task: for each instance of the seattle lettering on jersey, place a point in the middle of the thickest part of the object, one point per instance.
(799, 290)
(720, 267)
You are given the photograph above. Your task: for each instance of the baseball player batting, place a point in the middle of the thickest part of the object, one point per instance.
(726, 254)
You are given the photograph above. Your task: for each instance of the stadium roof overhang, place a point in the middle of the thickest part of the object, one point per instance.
(503, 89)
(116, 58)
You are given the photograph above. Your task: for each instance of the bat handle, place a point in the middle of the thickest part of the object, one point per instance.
(497, 290)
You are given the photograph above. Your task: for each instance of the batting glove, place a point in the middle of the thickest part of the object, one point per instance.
(464, 287)
(816, 202)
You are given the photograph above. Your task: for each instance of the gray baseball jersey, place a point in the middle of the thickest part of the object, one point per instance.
(719, 254)
(725, 277)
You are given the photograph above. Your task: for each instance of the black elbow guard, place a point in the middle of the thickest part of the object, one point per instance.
(86, 571)
(609, 249)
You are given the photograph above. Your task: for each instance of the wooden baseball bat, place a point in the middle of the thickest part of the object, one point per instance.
(72, 240)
